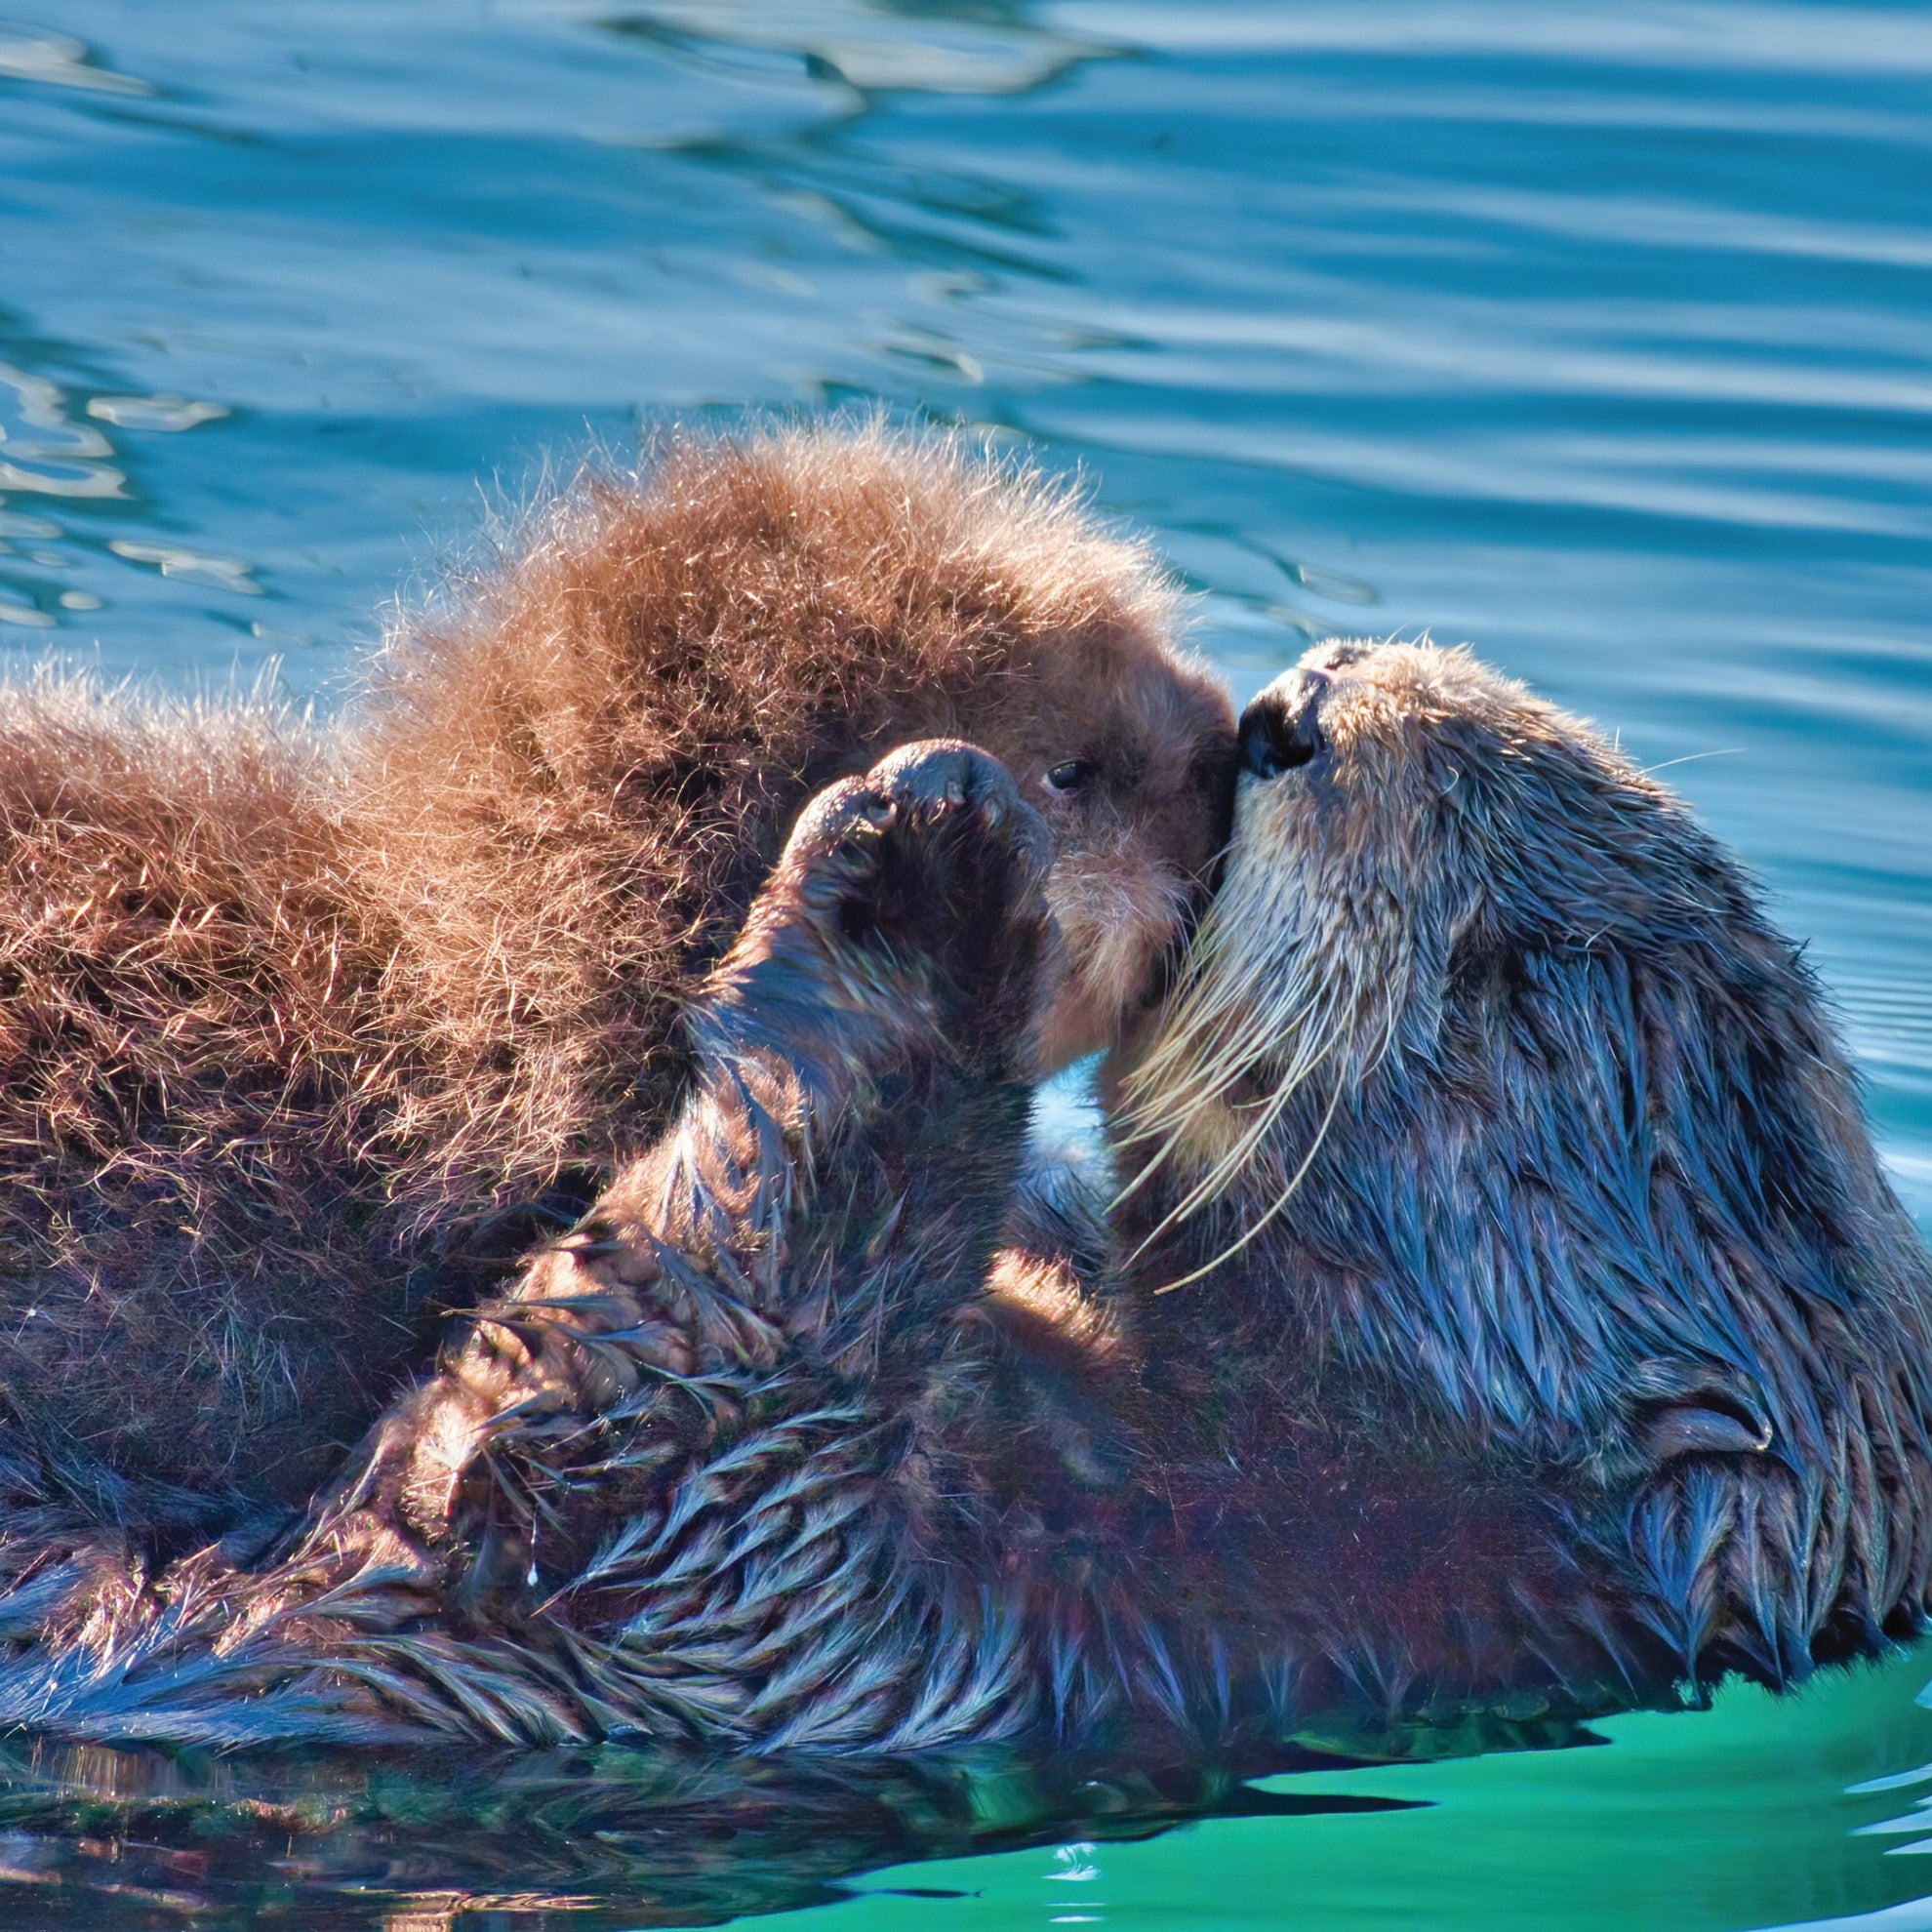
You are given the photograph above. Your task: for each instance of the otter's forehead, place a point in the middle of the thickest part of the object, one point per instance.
(1118, 698)
(1398, 714)
(1419, 777)
(1423, 683)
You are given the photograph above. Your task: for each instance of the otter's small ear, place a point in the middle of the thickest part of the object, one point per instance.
(1700, 1409)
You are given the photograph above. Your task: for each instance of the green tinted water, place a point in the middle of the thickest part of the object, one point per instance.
(1805, 1811)
(1739, 1817)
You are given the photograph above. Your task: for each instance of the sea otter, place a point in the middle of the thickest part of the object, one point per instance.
(1509, 1319)
(1494, 1144)
(306, 1032)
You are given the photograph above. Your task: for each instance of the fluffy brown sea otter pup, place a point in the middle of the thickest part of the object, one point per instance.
(705, 1472)
(303, 1034)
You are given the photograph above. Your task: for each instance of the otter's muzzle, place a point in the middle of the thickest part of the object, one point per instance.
(1282, 729)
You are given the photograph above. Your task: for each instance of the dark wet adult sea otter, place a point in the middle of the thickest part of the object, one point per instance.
(1497, 1164)
(306, 1034)
(1510, 1320)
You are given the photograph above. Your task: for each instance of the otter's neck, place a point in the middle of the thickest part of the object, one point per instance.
(1590, 1168)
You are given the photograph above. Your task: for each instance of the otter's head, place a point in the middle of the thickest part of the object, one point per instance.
(1488, 1076)
(1128, 751)
(664, 668)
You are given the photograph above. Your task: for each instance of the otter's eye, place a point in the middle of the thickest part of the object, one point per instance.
(1073, 775)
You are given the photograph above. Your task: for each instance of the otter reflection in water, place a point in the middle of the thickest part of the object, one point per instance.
(1507, 1317)
(599, 1838)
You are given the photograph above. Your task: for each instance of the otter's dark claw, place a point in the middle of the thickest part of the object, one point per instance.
(941, 775)
(1691, 1432)
(1699, 1408)
(933, 859)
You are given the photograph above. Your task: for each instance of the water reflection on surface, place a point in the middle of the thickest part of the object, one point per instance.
(1759, 1812)
(583, 1839)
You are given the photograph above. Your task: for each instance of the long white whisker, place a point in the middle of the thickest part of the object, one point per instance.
(1281, 1201)
(1238, 1156)
(1166, 1114)
(1691, 758)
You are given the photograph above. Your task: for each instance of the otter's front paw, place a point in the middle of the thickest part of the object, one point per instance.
(920, 882)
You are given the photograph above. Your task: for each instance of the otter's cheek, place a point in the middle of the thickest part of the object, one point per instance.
(1118, 918)
(1068, 1031)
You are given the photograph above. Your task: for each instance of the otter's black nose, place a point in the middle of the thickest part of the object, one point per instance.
(1282, 729)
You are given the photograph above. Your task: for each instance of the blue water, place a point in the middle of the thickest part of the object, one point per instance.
(1597, 335)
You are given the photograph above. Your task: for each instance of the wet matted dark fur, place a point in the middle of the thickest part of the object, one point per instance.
(753, 1457)
(703, 1473)
(1494, 1135)
(306, 1034)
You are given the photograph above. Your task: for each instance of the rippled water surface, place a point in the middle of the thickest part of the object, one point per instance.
(1597, 335)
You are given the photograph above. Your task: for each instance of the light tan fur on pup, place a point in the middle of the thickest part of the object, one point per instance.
(306, 1032)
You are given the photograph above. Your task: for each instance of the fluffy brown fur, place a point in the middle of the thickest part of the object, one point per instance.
(751, 1456)
(306, 1034)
